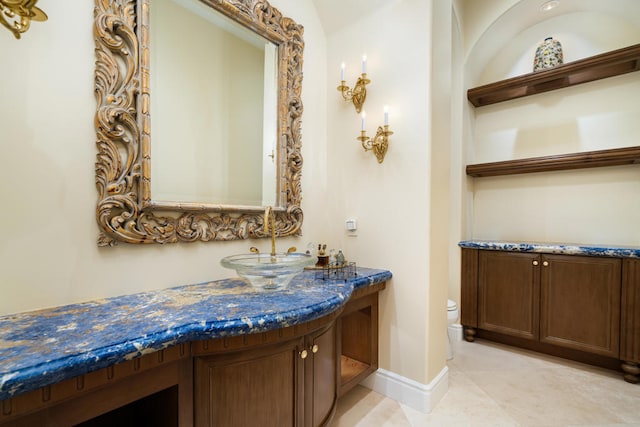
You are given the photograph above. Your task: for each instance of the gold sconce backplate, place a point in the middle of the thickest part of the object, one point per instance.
(17, 15)
(379, 144)
(357, 95)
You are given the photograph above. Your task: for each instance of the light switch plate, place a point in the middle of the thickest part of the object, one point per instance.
(351, 225)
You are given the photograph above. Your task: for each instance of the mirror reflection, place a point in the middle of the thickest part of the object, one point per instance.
(214, 107)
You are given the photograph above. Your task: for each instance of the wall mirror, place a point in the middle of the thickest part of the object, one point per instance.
(198, 120)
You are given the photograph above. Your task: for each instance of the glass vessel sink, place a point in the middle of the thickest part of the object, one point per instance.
(267, 272)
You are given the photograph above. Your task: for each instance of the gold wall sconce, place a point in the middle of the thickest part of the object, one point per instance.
(358, 94)
(380, 143)
(17, 15)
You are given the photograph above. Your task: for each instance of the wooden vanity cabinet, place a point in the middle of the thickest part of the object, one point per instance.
(239, 388)
(284, 377)
(154, 389)
(564, 305)
(294, 382)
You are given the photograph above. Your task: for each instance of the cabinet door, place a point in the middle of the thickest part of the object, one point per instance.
(580, 303)
(258, 387)
(509, 293)
(630, 315)
(321, 387)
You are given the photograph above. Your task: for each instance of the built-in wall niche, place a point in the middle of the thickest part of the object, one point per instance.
(159, 410)
(609, 64)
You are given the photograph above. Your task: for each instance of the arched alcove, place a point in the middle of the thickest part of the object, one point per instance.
(585, 206)
(505, 48)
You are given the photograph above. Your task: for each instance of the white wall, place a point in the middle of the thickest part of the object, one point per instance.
(48, 251)
(392, 200)
(587, 206)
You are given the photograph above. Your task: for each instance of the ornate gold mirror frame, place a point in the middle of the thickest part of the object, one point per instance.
(125, 210)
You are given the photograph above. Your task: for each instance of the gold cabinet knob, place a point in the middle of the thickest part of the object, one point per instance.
(315, 348)
(546, 263)
(304, 354)
(535, 262)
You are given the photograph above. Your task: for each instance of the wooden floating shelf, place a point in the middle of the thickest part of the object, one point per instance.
(587, 159)
(597, 67)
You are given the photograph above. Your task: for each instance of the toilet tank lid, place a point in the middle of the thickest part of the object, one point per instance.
(451, 305)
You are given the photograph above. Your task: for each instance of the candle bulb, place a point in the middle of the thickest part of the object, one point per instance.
(364, 115)
(342, 72)
(386, 115)
(364, 64)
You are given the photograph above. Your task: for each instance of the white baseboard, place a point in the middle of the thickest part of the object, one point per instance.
(422, 397)
(455, 332)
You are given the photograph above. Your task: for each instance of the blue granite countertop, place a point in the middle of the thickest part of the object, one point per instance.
(44, 347)
(554, 248)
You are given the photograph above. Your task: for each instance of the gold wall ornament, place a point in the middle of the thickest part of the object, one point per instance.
(17, 15)
(357, 95)
(380, 142)
(125, 211)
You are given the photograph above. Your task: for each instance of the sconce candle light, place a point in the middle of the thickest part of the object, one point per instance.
(17, 15)
(380, 143)
(358, 94)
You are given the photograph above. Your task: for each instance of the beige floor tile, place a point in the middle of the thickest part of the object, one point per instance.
(363, 408)
(495, 385)
(485, 356)
(466, 404)
(541, 397)
(606, 389)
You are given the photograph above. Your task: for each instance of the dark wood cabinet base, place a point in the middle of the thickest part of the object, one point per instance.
(469, 334)
(284, 377)
(584, 308)
(631, 372)
(552, 350)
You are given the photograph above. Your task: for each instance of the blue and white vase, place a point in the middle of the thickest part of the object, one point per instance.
(548, 55)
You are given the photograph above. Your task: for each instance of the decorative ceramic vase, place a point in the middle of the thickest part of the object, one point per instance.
(548, 54)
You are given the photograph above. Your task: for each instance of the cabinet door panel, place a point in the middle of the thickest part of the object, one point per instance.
(509, 293)
(322, 388)
(580, 303)
(630, 316)
(259, 387)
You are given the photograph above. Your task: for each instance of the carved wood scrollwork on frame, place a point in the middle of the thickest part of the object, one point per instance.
(125, 211)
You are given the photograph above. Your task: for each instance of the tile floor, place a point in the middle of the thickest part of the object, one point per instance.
(495, 385)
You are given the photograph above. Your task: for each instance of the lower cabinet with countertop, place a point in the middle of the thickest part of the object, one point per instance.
(578, 302)
(289, 373)
(286, 382)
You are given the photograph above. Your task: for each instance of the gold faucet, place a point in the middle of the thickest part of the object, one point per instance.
(270, 220)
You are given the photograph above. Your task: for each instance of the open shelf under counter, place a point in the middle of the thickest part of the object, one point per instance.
(351, 368)
(358, 343)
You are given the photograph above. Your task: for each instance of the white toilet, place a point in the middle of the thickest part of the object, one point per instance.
(452, 317)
